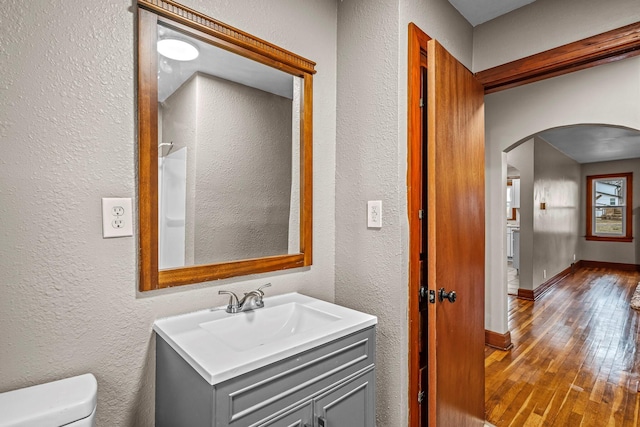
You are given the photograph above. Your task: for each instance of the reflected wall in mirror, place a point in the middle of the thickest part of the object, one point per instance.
(228, 183)
(224, 150)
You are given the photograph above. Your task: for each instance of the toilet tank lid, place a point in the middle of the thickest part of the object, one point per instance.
(55, 403)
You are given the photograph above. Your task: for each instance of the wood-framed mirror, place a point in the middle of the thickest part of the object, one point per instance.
(224, 150)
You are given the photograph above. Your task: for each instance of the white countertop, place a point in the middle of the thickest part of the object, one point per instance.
(202, 337)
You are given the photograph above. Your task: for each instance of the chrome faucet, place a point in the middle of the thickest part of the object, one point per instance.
(250, 301)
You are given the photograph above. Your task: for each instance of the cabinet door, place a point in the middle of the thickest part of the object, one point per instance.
(300, 416)
(351, 404)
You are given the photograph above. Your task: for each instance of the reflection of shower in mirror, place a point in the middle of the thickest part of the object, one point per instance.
(165, 144)
(172, 189)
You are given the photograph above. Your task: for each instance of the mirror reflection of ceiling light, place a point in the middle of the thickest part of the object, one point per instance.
(178, 50)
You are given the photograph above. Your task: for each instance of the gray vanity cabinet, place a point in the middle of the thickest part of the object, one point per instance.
(331, 385)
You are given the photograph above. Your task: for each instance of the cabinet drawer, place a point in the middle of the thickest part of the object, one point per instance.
(253, 396)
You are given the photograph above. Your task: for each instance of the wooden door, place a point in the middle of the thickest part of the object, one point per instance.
(454, 201)
(446, 245)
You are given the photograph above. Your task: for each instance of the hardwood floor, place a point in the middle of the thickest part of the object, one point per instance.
(575, 360)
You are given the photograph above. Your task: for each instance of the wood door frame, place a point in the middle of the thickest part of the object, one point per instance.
(417, 60)
(611, 46)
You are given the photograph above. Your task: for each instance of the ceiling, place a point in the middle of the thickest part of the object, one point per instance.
(591, 143)
(217, 62)
(480, 11)
(594, 143)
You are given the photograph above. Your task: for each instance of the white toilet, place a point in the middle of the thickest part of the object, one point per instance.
(70, 402)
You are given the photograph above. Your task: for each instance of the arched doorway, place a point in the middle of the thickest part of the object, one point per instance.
(545, 228)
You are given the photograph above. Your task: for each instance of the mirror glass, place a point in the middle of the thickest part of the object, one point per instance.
(224, 150)
(228, 167)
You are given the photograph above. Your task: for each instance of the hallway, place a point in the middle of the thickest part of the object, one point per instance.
(575, 358)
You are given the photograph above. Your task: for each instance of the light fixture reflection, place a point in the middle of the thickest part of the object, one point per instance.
(178, 50)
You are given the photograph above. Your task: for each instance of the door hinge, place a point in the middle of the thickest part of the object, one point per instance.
(421, 102)
(420, 214)
(420, 397)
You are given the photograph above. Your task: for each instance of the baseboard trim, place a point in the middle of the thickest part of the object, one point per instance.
(533, 295)
(499, 341)
(612, 265)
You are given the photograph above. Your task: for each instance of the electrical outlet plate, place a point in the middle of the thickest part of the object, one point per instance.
(374, 214)
(117, 217)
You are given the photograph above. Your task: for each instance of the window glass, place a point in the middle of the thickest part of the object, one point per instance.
(609, 211)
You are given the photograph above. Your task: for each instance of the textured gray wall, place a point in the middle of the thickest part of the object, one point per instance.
(243, 172)
(555, 229)
(369, 263)
(69, 302)
(372, 264)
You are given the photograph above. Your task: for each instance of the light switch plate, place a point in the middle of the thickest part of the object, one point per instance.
(374, 214)
(117, 218)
